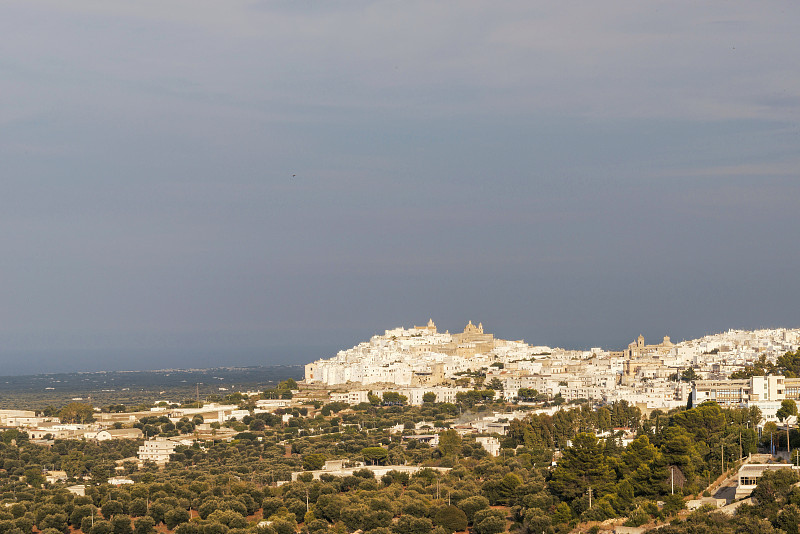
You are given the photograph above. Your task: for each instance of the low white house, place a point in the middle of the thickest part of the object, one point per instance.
(121, 433)
(55, 476)
(77, 489)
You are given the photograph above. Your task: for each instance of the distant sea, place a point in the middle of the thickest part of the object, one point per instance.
(15, 363)
(135, 387)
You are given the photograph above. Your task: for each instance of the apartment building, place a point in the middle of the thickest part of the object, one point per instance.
(157, 450)
(765, 392)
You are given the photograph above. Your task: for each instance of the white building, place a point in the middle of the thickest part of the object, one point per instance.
(749, 474)
(765, 392)
(121, 433)
(491, 444)
(351, 397)
(156, 450)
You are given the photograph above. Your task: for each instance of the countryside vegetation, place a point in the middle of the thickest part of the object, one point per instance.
(244, 485)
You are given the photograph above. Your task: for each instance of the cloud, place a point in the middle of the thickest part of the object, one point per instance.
(449, 155)
(663, 60)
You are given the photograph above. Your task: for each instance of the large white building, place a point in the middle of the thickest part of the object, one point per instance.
(765, 392)
(157, 450)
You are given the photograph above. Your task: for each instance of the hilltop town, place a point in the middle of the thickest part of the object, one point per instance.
(420, 361)
(420, 365)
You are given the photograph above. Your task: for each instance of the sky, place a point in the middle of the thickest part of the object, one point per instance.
(200, 183)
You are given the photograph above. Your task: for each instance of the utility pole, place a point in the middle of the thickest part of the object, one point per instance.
(722, 445)
(590, 497)
(672, 480)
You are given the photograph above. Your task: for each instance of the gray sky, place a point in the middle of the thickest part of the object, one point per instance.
(570, 173)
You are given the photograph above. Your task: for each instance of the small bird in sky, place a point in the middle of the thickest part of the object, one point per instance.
(294, 176)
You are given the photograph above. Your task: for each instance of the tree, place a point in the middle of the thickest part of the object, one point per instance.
(472, 505)
(451, 518)
(353, 516)
(582, 466)
(475, 396)
(102, 527)
(789, 518)
(78, 513)
(175, 517)
(34, 477)
(678, 448)
(313, 462)
(55, 521)
(111, 508)
(430, 396)
(215, 527)
(408, 524)
(495, 384)
(537, 520)
(207, 508)
(789, 364)
(392, 397)
(689, 375)
(773, 487)
(489, 522)
(788, 407)
(760, 368)
(272, 505)
(318, 526)
(229, 518)
(507, 487)
(704, 421)
(639, 452)
(449, 443)
(76, 412)
(374, 455)
(333, 407)
(121, 524)
(281, 526)
(562, 514)
(85, 526)
(289, 383)
(144, 525)
(637, 518)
